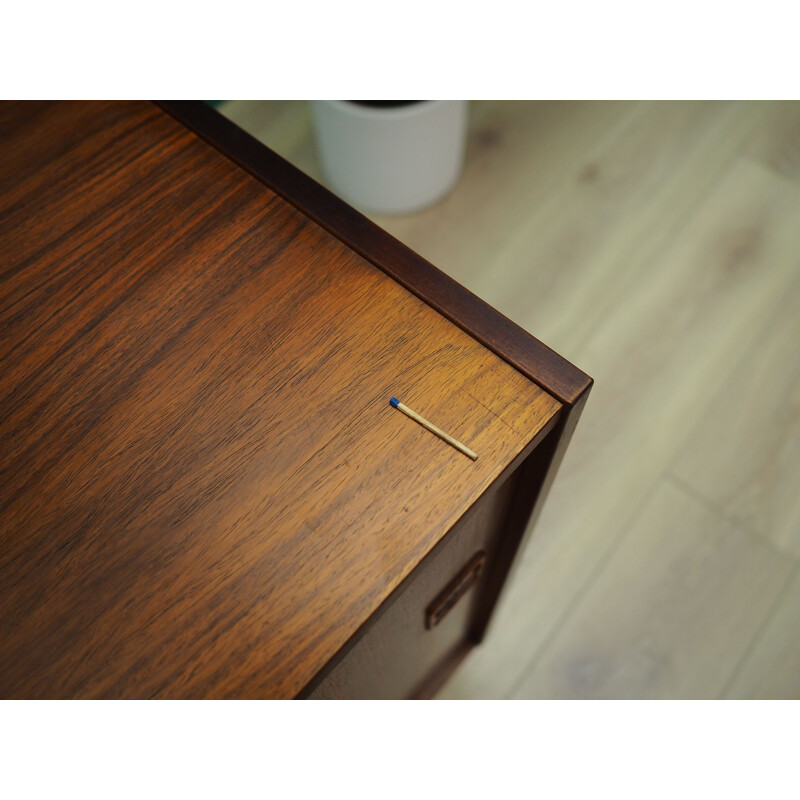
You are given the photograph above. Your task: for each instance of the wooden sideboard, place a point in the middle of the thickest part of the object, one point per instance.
(204, 492)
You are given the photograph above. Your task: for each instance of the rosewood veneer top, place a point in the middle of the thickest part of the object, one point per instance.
(203, 489)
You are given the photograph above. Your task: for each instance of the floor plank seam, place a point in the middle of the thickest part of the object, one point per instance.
(581, 593)
(746, 354)
(759, 634)
(651, 250)
(720, 512)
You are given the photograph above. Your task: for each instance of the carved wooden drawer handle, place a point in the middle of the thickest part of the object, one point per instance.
(454, 590)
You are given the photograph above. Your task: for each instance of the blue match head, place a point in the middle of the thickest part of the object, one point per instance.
(394, 401)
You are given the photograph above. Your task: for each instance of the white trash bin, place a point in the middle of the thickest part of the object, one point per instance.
(391, 157)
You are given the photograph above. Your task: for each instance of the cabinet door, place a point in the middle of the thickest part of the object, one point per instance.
(424, 627)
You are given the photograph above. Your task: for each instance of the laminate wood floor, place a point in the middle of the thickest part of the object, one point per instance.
(657, 246)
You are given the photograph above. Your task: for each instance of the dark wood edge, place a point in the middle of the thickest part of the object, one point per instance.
(534, 479)
(499, 334)
(507, 474)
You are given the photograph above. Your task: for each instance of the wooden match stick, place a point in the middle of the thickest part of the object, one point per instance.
(433, 429)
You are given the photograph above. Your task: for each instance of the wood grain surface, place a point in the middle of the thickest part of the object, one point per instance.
(500, 335)
(205, 491)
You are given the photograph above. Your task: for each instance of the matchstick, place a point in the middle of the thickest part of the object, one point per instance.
(433, 429)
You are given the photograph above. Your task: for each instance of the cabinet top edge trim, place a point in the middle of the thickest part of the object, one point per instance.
(497, 333)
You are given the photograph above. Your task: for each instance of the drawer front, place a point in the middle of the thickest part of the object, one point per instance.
(425, 625)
